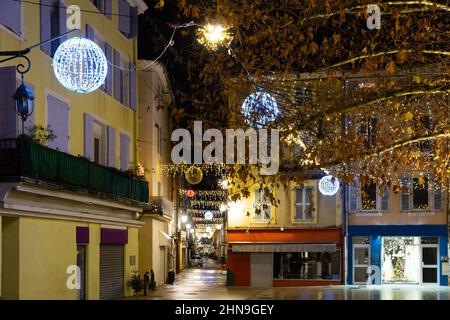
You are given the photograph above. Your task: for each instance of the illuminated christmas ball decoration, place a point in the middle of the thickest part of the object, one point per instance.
(193, 175)
(190, 193)
(259, 109)
(208, 215)
(80, 65)
(328, 186)
(214, 36)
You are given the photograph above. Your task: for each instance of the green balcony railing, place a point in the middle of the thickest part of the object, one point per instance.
(24, 158)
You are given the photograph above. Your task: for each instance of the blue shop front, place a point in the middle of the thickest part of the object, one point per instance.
(397, 254)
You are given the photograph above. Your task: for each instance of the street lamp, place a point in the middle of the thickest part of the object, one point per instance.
(24, 101)
(184, 218)
(188, 226)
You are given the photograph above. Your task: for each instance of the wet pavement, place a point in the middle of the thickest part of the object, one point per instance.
(209, 283)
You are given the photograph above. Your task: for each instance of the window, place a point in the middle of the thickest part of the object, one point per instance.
(58, 121)
(53, 18)
(124, 81)
(304, 205)
(262, 206)
(367, 128)
(427, 127)
(159, 142)
(100, 143)
(307, 265)
(128, 19)
(420, 193)
(104, 6)
(369, 197)
(11, 16)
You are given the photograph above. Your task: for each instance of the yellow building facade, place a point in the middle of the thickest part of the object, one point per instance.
(69, 210)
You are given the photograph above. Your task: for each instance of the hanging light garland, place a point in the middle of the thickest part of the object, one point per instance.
(218, 169)
(80, 65)
(206, 195)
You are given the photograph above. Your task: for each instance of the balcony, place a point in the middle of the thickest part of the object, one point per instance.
(21, 159)
(161, 206)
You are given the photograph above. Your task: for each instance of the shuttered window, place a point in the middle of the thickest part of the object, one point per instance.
(8, 129)
(58, 120)
(53, 18)
(11, 15)
(104, 6)
(128, 19)
(262, 205)
(124, 151)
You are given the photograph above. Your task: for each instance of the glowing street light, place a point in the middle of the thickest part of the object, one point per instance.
(213, 36)
(188, 226)
(184, 218)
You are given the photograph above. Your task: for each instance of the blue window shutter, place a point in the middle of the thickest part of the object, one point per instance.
(133, 91)
(437, 196)
(10, 15)
(352, 198)
(62, 20)
(108, 8)
(123, 160)
(124, 17)
(88, 137)
(405, 195)
(134, 20)
(45, 22)
(111, 146)
(128, 153)
(108, 81)
(8, 117)
(117, 76)
(385, 199)
(58, 120)
(29, 124)
(89, 32)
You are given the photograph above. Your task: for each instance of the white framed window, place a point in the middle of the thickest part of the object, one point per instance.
(262, 206)
(420, 193)
(304, 204)
(368, 198)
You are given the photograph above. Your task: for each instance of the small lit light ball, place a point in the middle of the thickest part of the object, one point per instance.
(184, 218)
(208, 229)
(223, 207)
(259, 109)
(208, 215)
(328, 186)
(190, 193)
(188, 226)
(80, 65)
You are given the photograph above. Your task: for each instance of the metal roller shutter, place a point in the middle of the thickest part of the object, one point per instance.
(111, 271)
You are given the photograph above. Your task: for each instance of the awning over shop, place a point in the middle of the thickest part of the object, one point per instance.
(283, 247)
(164, 239)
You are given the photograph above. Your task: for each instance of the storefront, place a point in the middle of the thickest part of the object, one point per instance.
(293, 257)
(408, 254)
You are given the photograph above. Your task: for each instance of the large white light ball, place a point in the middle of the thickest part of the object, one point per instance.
(328, 186)
(80, 65)
(259, 109)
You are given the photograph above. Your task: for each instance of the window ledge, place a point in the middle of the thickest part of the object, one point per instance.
(369, 214)
(421, 213)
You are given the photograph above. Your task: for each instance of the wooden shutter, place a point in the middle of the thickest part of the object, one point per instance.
(8, 117)
(108, 8)
(117, 76)
(133, 91)
(29, 124)
(45, 25)
(124, 17)
(124, 151)
(58, 119)
(89, 32)
(111, 146)
(134, 22)
(10, 15)
(62, 13)
(384, 199)
(405, 195)
(88, 137)
(109, 76)
(437, 196)
(352, 197)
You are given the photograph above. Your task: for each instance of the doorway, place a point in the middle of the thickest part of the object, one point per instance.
(81, 263)
(361, 261)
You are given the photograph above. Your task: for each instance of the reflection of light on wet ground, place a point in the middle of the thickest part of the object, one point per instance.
(209, 283)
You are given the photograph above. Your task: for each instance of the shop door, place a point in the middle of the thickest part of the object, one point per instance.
(111, 271)
(162, 266)
(361, 261)
(261, 268)
(430, 264)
